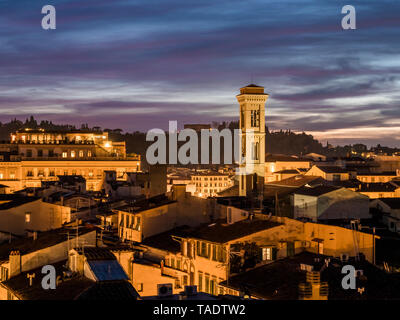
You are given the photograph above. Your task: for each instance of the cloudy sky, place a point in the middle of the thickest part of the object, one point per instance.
(135, 65)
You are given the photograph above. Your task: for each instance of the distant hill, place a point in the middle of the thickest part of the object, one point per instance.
(282, 142)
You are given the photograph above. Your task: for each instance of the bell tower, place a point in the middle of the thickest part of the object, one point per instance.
(252, 101)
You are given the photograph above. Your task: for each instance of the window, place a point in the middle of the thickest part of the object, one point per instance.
(51, 153)
(89, 153)
(80, 153)
(203, 252)
(29, 173)
(221, 289)
(27, 217)
(3, 274)
(213, 285)
(185, 280)
(178, 264)
(65, 154)
(72, 154)
(137, 227)
(255, 118)
(200, 285)
(51, 173)
(266, 254)
(255, 151)
(1, 175)
(207, 283)
(214, 252)
(29, 153)
(40, 153)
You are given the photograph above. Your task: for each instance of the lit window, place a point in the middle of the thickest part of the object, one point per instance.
(89, 153)
(1, 175)
(65, 154)
(27, 217)
(72, 154)
(80, 154)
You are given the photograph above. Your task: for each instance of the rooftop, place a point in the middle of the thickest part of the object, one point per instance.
(8, 201)
(393, 203)
(279, 280)
(209, 173)
(287, 171)
(75, 287)
(140, 205)
(164, 241)
(332, 169)
(119, 290)
(296, 182)
(96, 253)
(283, 158)
(71, 179)
(44, 239)
(68, 289)
(390, 173)
(316, 191)
(222, 232)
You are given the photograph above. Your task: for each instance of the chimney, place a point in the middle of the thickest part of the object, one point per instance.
(15, 263)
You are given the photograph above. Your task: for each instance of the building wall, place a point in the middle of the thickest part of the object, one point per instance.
(272, 167)
(337, 240)
(315, 171)
(207, 186)
(145, 279)
(373, 179)
(382, 194)
(43, 216)
(305, 206)
(187, 210)
(340, 204)
(19, 175)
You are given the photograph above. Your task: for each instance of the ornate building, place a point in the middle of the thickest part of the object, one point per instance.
(36, 155)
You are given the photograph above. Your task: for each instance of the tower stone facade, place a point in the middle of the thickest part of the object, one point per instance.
(252, 101)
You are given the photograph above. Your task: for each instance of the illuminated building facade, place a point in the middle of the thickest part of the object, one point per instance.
(36, 155)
